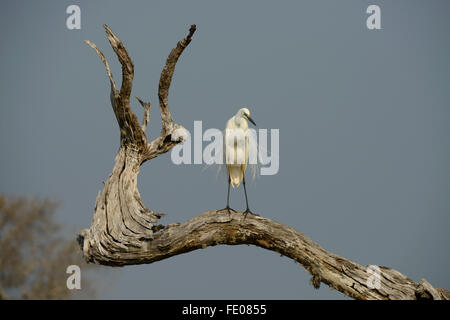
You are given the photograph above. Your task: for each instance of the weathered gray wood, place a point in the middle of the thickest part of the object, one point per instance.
(146, 119)
(124, 231)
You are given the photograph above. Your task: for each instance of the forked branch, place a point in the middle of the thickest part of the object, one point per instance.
(123, 230)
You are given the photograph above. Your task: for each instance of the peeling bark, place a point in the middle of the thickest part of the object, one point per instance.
(124, 231)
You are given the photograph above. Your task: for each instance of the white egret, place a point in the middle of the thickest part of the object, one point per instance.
(237, 152)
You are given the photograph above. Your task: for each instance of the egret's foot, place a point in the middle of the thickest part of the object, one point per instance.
(249, 211)
(228, 209)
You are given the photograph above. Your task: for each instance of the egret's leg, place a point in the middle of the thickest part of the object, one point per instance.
(228, 199)
(247, 211)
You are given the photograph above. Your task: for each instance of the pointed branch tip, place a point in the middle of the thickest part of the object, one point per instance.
(192, 30)
(105, 62)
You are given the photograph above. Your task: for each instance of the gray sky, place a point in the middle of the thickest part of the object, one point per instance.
(363, 116)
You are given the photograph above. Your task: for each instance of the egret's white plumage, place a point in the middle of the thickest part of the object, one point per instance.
(237, 146)
(237, 151)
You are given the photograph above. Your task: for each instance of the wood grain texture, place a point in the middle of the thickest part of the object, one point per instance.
(125, 232)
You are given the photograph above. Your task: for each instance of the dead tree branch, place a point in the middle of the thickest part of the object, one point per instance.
(123, 230)
(147, 106)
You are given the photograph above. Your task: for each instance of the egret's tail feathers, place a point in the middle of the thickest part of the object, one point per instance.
(236, 175)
